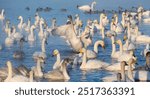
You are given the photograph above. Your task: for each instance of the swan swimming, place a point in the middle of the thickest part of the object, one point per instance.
(58, 60)
(59, 74)
(91, 64)
(87, 8)
(15, 78)
(93, 54)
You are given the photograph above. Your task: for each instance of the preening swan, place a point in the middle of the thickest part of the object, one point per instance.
(58, 59)
(93, 54)
(91, 64)
(87, 8)
(59, 74)
(15, 78)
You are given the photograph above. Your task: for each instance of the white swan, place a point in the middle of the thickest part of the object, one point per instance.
(31, 36)
(43, 51)
(58, 59)
(15, 78)
(16, 35)
(21, 24)
(37, 70)
(91, 64)
(41, 31)
(9, 40)
(87, 8)
(37, 20)
(59, 74)
(2, 15)
(93, 53)
(124, 56)
(138, 38)
(27, 28)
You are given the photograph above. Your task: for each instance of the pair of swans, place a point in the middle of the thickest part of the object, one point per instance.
(59, 73)
(87, 8)
(138, 38)
(17, 77)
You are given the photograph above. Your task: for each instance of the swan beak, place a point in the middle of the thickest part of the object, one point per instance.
(125, 38)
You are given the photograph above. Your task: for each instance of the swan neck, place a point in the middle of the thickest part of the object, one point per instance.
(39, 67)
(103, 31)
(9, 73)
(58, 58)
(43, 46)
(96, 46)
(92, 6)
(113, 45)
(64, 71)
(31, 76)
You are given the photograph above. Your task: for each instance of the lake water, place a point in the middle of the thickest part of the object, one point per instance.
(15, 8)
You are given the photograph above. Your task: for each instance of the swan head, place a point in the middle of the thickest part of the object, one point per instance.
(41, 59)
(82, 50)
(55, 52)
(94, 2)
(20, 18)
(33, 27)
(115, 15)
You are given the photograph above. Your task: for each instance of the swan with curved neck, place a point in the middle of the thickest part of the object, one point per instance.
(20, 25)
(91, 64)
(87, 8)
(58, 59)
(60, 73)
(124, 56)
(31, 36)
(93, 54)
(15, 78)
